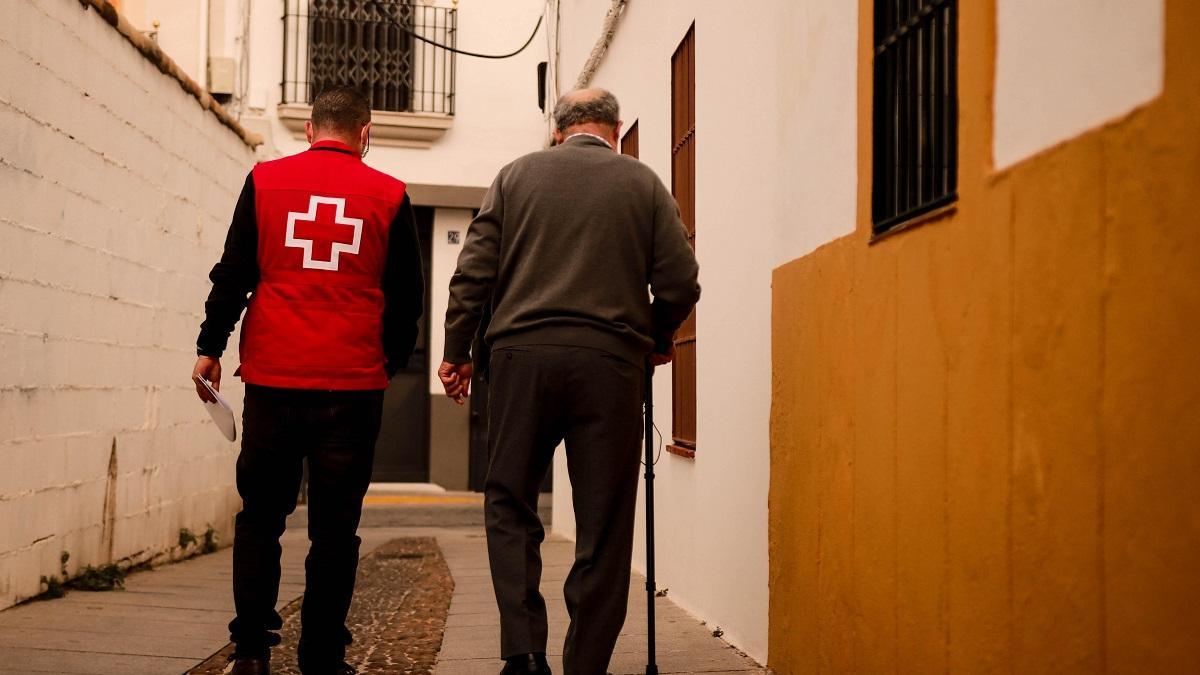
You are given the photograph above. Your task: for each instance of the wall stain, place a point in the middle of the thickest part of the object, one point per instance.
(108, 537)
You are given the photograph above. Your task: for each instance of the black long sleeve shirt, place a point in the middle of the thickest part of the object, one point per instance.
(236, 275)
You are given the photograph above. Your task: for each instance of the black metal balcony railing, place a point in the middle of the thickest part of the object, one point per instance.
(369, 45)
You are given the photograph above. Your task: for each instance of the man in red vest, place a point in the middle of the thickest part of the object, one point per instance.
(326, 249)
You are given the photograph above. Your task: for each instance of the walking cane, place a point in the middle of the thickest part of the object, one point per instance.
(651, 665)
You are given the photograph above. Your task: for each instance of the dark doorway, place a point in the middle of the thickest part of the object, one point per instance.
(402, 452)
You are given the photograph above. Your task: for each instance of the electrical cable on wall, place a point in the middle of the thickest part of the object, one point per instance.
(477, 55)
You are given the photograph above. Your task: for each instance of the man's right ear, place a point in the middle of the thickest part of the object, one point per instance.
(308, 130)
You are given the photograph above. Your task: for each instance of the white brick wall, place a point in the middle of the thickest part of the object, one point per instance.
(116, 188)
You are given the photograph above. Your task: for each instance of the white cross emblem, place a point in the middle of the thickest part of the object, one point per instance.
(337, 248)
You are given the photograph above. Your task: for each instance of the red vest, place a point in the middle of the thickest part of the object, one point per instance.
(315, 320)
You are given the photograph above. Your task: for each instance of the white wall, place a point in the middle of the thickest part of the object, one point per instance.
(179, 30)
(776, 177)
(117, 189)
(1068, 66)
(444, 260)
(193, 31)
(804, 84)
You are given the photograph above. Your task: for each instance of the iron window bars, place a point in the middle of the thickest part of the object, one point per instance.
(916, 110)
(368, 45)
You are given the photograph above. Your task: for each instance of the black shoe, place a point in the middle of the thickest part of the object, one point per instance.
(251, 667)
(531, 664)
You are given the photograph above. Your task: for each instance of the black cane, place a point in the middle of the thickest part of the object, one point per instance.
(652, 665)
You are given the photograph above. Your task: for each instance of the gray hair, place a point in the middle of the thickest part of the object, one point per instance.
(573, 110)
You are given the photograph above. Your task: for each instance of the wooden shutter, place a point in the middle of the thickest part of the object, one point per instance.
(683, 186)
(629, 142)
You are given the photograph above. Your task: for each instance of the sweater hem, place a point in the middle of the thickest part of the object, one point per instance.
(570, 336)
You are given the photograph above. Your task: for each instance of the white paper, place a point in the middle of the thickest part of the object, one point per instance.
(220, 412)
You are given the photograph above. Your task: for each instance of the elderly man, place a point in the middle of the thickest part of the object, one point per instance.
(562, 253)
(328, 247)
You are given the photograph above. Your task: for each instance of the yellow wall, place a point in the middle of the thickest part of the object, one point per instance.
(986, 430)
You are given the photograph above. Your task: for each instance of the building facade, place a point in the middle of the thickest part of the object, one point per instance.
(944, 412)
(985, 418)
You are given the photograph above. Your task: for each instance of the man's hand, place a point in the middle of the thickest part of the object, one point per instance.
(456, 379)
(657, 359)
(210, 369)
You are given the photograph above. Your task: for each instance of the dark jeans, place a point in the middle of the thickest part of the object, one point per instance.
(539, 396)
(336, 432)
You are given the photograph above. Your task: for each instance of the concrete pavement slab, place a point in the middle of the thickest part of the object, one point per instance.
(471, 643)
(165, 621)
(30, 660)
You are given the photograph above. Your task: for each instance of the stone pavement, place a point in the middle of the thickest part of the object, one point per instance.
(472, 640)
(174, 617)
(397, 617)
(164, 621)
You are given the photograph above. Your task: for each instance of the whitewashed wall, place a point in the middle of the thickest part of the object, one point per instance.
(1068, 66)
(117, 188)
(775, 178)
(443, 262)
(178, 30)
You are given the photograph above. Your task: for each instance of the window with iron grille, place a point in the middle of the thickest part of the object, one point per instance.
(370, 45)
(916, 110)
(683, 186)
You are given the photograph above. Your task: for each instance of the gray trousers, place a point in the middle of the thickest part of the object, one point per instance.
(541, 395)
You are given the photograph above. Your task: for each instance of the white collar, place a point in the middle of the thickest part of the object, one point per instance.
(584, 133)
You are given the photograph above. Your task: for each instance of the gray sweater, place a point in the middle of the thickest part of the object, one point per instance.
(564, 249)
